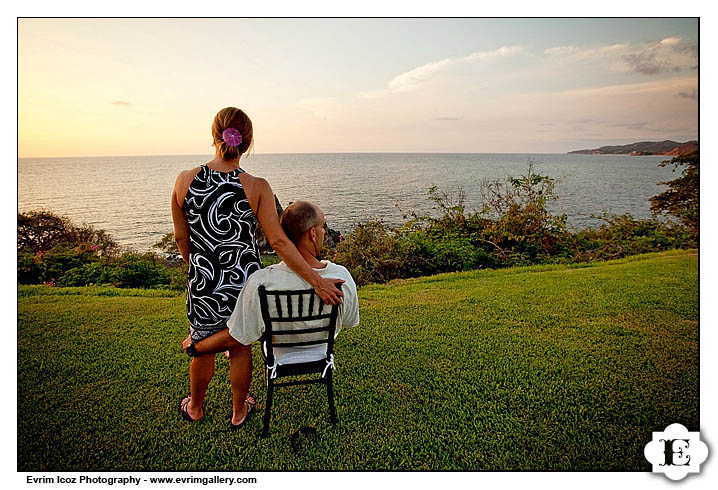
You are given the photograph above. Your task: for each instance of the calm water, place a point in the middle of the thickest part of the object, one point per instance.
(130, 196)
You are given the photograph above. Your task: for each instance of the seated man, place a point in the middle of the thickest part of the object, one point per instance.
(304, 224)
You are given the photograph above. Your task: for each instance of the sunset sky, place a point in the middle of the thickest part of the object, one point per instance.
(152, 86)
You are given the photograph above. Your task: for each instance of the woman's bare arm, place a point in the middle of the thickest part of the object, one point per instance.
(181, 227)
(278, 240)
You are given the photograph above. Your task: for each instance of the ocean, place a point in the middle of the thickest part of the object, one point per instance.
(129, 196)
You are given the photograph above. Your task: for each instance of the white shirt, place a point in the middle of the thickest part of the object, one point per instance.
(246, 324)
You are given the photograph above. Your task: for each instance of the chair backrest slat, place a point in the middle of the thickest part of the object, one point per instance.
(278, 303)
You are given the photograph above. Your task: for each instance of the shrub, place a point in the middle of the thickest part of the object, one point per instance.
(620, 236)
(131, 270)
(442, 253)
(89, 274)
(134, 270)
(518, 222)
(167, 244)
(29, 270)
(372, 253)
(50, 265)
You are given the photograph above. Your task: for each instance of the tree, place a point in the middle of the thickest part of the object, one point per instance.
(681, 198)
(40, 231)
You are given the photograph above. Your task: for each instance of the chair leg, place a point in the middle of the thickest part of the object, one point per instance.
(330, 396)
(268, 409)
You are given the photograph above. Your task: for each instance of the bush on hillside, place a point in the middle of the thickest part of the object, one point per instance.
(375, 253)
(513, 227)
(624, 235)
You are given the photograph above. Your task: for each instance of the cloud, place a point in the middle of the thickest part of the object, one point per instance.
(561, 51)
(575, 54)
(669, 55)
(121, 103)
(644, 63)
(666, 56)
(692, 95)
(417, 77)
(487, 55)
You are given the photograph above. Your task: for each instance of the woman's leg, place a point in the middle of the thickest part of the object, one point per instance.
(200, 373)
(240, 374)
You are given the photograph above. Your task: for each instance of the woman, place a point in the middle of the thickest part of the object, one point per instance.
(215, 208)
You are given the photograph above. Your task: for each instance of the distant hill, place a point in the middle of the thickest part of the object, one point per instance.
(667, 147)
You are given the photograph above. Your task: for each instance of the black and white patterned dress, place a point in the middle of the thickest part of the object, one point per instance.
(223, 248)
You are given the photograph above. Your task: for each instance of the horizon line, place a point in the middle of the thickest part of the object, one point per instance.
(327, 153)
(312, 153)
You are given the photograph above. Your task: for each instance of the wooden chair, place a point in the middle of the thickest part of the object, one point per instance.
(281, 312)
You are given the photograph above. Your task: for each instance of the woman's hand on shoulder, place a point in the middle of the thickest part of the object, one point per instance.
(327, 290)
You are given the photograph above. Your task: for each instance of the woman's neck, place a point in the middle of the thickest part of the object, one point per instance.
(219, 163)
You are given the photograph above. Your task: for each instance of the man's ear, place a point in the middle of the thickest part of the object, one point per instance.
(313, 234)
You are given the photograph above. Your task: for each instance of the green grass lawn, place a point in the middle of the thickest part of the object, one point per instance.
(537, 368)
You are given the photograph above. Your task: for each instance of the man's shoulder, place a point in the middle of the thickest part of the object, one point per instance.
(278, 266)
(332, 267)
(257, 278)
(279, 276)
(336, 270)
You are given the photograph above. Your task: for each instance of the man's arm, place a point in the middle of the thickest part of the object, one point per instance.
(350, 305)
(219, 342)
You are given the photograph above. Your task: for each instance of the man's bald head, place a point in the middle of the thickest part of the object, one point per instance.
(299, 218)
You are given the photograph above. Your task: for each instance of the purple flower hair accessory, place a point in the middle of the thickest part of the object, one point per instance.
(232, 137)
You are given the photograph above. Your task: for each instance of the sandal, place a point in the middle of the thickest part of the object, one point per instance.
(251, 406)
(183, 409)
